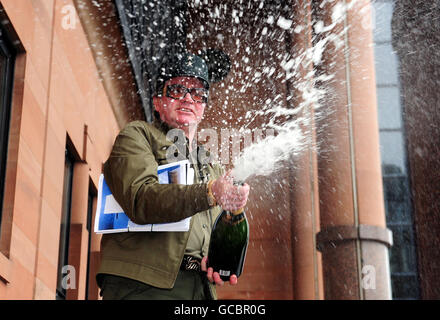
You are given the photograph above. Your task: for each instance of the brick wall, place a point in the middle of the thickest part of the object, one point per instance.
(57, 94)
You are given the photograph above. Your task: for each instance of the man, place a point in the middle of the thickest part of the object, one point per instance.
(166, 265)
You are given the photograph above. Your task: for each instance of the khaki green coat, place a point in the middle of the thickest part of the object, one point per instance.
(153, 258)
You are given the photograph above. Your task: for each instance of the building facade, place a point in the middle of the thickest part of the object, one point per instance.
(62, 124)
(351, 216)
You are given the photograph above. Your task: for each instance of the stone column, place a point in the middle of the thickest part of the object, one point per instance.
(353, 239)
(306, 262)
(78, 234)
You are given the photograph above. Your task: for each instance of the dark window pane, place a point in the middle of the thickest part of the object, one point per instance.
(63, 257)
(397, 203)
(7, 62)
(405, 287)
(90, 230)
(402, 254)
(3, 64)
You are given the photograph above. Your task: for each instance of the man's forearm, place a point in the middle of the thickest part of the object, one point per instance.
(162, 203)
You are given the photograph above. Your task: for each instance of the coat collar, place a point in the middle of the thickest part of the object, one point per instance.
(161, 125)
(197, 149)
(164, 127)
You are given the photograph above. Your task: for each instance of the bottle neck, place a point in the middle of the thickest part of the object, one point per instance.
(237, 212)
(234, 217)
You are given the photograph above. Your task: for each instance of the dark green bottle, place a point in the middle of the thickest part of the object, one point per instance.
(228, 244)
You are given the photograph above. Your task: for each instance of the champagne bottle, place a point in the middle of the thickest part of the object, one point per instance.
(228, 244)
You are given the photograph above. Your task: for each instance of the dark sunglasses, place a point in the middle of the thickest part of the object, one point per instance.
(178, 91)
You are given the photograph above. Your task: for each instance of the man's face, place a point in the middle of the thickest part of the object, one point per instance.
(182, 112)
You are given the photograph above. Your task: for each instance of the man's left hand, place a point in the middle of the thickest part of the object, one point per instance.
(214, 277)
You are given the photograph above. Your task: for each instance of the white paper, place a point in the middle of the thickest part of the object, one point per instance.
(182, 225)
(111, 205)
(190, 175)
(110, 217)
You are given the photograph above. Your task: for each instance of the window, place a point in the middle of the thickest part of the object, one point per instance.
(63, 256)
(7, 63)
(403, 260)
(90, 212)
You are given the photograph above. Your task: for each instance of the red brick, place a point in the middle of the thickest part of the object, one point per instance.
(27, 206)
(49, 233)
(75, 44)
(56, 123)
(22, 249)
(53, 195)
(267, 255)
(21, 286)
(35, 85)
(55, 158)
(76, 96)
(42, 292)
(29, 164)
(33, 124)
(22, 17)
(40, 51)
(46, 270)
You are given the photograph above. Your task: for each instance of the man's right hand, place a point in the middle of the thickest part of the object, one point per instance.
(229, 196)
